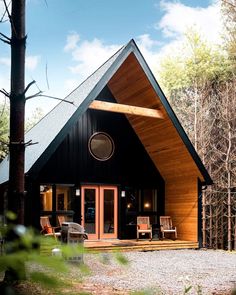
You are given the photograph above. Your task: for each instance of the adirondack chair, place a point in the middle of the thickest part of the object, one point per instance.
(61, 219)
(47, 229)
(144, 226)
(166, 226)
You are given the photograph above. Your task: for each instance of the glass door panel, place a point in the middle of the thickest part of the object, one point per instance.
(108, 214)
(108, 218)
(89, 207)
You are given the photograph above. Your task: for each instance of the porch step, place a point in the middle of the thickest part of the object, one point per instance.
(133, 245)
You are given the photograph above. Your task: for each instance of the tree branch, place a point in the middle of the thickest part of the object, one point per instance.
(34, 95)
(6, 40)
(4, 13)
(4, 92)
(9, 16)
(28, 86)
(53, 97)
(229, 3)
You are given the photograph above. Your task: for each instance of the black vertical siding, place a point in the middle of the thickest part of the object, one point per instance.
(129, 166)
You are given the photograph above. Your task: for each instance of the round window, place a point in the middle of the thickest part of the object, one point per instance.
(101, 146)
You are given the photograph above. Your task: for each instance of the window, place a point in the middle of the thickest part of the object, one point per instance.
(46, 197)
(63, 198)
(101, 146)
(132, 200)
(62, 202)
(149, 200)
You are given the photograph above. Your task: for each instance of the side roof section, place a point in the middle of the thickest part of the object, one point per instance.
(51, 128)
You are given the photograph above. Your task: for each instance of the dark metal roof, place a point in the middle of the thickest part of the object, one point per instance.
(51, 130)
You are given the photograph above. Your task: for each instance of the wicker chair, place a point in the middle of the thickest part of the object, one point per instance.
(144, 226)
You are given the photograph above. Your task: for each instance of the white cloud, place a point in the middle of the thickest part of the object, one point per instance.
(178, 17)
(147, 42)
(149, 49)
(89, 55)
(31, 62)
(71, 42)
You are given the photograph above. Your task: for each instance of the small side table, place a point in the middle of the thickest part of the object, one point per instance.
(131, 231)
(155, 232)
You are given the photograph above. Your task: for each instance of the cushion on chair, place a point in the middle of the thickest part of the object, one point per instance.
(48, 229)
(143, 226)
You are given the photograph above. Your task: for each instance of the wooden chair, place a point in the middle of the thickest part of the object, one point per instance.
(144, 226)
(47, 229)
(166, 226)
(61, 219)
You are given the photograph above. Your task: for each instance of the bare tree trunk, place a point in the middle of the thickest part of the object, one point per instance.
(222, 225)
(17, 144)
(235, 233)
(210, 217)
(229, 222)
(17, 110)
(204, 219)
(216, 227)
(195, 121)
(229, 210)
(228, 171)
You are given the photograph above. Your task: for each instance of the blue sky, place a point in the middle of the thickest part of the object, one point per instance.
(71, 38)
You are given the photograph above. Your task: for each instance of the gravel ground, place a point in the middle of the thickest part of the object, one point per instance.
(165, 272)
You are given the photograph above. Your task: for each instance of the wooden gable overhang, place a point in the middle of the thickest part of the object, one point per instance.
(160, 137)
(166, 143)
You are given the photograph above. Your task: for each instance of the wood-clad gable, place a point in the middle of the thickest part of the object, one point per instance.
(162, 141)
(160, 138)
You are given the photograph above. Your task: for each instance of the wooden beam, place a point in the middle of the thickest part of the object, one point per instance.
(125, 109)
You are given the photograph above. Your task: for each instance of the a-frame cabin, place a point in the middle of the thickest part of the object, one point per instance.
(117, 151)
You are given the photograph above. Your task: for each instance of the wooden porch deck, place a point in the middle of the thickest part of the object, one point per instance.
(133, 245)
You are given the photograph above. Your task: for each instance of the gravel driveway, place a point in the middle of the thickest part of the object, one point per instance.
(165, 272)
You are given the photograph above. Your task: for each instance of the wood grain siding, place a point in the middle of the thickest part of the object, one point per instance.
(159, 137)
(181, 204)
(164, 145)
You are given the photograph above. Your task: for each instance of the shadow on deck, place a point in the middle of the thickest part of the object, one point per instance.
(141, 245)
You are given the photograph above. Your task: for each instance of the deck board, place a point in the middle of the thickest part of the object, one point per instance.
(141, 245)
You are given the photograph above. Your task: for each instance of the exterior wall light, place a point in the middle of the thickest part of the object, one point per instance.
(147, 205)
(122, 194)
(77, 192)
